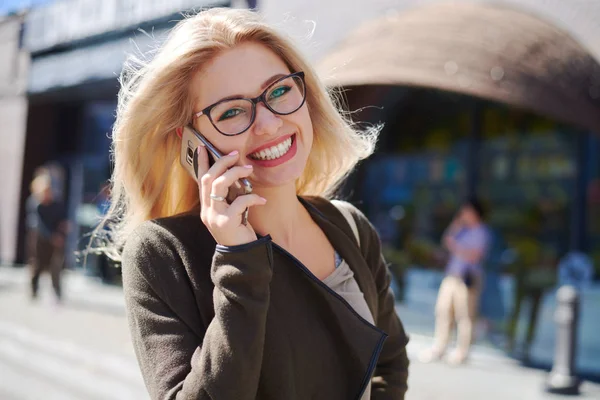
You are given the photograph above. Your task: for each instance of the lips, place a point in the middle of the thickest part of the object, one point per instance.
(273, 151)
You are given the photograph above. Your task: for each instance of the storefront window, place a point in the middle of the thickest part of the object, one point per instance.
(525, 173)
(414, 185)
(527, 177)
(593, 201)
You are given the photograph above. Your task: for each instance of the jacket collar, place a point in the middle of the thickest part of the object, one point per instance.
(336, 228)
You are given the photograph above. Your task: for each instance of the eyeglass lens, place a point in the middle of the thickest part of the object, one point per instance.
(235, 116)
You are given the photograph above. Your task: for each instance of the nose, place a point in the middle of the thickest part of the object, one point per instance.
(265, 121)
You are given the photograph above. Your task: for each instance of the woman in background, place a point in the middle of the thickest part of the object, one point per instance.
(467, 240)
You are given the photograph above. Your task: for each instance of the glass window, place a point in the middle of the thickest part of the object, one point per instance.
(412, 188)
(527, 177)
(593, 201)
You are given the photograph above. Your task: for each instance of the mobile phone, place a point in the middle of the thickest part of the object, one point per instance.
(190, 140)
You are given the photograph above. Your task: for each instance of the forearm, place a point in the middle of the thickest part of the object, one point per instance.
(232, 348)
(179, 357)
(472, 256)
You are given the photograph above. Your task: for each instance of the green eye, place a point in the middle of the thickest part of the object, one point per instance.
(278, 92)
(232, 112)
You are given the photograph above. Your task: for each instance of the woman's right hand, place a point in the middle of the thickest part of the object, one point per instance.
(223, 220)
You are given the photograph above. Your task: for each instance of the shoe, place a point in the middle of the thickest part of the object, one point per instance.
(430, 355)
(457, 358)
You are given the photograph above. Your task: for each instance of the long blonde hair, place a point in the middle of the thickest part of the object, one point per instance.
(148, 181)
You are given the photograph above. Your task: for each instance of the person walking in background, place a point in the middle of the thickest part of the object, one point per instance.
(106, 268)
(47, 230)
(31, 215)
(535, 273)
(467, 240)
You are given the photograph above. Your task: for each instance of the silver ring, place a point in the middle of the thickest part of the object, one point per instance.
(217, 198)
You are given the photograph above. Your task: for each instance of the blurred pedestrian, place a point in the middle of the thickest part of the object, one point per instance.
(467, 240)
(31, 215)
(295, 302)
(534, 274)
(106, 268)
(48, 227)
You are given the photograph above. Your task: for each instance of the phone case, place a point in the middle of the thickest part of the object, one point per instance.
(190, 141)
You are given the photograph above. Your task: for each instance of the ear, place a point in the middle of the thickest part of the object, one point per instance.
(179, 131)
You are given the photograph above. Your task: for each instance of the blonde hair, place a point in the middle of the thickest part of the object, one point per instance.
(148, 181)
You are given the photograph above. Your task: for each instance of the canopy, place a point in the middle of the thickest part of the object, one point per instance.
(489, 51)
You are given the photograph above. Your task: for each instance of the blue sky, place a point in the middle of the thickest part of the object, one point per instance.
(7, 6)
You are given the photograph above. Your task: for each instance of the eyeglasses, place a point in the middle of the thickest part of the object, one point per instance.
(234, 116)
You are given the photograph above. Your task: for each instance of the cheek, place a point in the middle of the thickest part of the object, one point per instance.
(223, 143)
(305, 124)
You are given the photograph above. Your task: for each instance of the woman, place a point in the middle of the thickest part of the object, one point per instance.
(467, 240)
(285, 307)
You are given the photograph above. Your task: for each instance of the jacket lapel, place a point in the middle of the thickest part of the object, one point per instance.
(336, 228)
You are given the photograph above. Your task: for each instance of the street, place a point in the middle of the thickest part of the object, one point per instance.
(82, 350)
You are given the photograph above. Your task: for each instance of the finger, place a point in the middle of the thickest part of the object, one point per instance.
(202, 161)
(240, 204)
(202, 165)
(222, 183)
(223, 164)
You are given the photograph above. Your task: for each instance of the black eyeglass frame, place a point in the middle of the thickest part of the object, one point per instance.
(259, 99)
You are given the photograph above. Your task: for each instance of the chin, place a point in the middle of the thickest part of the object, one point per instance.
(283, 176)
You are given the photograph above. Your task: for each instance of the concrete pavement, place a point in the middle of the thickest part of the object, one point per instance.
(82, 350)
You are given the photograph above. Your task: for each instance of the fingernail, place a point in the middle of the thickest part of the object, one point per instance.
(249, 166)
(263, 199)
(233, 153)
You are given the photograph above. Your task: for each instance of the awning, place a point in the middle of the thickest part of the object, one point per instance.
(489, 51)
(90, 63)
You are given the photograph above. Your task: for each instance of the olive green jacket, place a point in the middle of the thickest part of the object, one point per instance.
(252, 322)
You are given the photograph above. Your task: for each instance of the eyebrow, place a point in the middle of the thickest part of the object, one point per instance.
(271, 80)
(264, 85)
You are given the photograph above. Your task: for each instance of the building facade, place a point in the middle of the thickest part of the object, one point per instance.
(77, 52)
(13, 110)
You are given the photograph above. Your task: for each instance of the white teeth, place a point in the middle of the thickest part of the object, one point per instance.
(274, 152)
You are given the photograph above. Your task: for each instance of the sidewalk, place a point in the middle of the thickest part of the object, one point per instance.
(80, 291)
(417, 314)
(489, 375)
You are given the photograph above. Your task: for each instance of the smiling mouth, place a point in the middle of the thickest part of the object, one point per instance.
(274, 152)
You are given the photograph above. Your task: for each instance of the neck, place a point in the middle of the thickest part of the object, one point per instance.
(280, 216)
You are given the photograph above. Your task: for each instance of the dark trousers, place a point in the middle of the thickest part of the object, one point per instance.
(46, 258)
(535, 296)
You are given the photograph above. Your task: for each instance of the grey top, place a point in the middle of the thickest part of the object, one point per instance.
(343, 283)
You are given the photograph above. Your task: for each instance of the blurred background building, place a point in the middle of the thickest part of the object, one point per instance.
(13, 113)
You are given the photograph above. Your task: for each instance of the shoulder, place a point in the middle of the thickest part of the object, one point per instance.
(161, 247)
(331, 210)
(158, 235)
